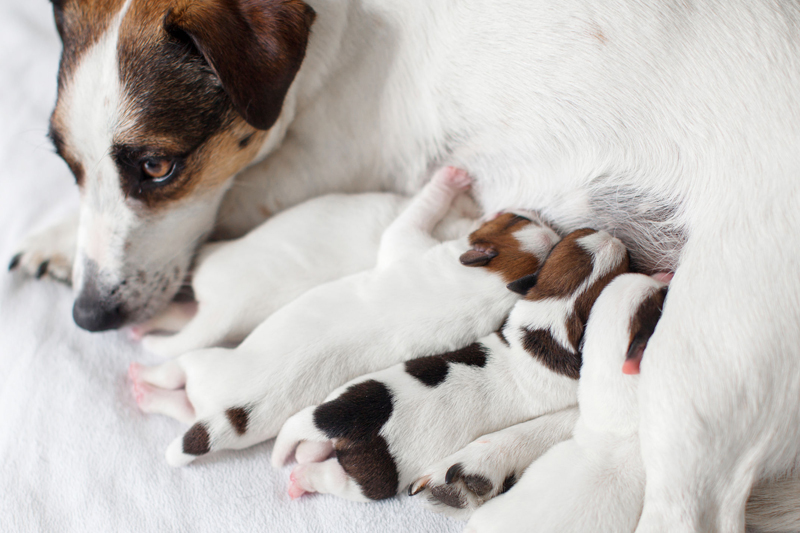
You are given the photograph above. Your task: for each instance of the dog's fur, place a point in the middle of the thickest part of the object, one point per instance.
(418, 299)
(671, 123)
(389, 425)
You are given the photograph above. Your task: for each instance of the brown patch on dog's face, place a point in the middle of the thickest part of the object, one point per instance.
(643, 322)
(566, 268)
(201, 83)
(495, 247)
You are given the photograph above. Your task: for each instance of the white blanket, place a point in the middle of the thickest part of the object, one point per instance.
(75, 452)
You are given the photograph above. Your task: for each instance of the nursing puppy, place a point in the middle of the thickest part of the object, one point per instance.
(238, 284)
(595, 480)
(388, 426)
(418, 299)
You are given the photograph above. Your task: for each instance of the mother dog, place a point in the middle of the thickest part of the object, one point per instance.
(673, 123)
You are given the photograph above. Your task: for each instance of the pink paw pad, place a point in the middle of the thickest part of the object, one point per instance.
(456, 178)
(295, 487)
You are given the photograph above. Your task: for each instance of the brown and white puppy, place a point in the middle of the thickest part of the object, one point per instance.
(418, 299)
(389, 426)
(160, 103)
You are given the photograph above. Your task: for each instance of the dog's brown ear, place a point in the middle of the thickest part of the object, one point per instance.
(478, 256)
(643, 324)
(255, 47)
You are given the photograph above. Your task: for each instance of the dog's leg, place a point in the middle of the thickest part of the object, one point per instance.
(492, 464)
(313, 452)
(719, 394)
(49, 252)
(411, 231)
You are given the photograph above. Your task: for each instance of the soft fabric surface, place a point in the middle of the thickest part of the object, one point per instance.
(75, 452)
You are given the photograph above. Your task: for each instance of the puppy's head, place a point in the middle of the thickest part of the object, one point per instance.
(160, 103)
(560, 296)
(511, 245)
(620, 325)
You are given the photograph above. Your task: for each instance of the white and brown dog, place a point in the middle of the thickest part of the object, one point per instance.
(387, 427)
(672, 123)
(418, 299)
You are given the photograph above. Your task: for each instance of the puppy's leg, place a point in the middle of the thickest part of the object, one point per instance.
(49, 252)
(157, 390)
(411, 230)
(327, 477)
(174, 318)
(205, 329)
(492, 464)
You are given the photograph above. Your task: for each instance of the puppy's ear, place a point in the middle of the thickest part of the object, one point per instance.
(643, 324)
(523, 284)
(478, 256)
(255, 48)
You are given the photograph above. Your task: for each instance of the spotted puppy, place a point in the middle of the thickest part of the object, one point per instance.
(388, 426)
(239, 283)
(418, 299)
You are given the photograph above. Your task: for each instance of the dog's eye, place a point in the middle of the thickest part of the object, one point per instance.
(158, 169)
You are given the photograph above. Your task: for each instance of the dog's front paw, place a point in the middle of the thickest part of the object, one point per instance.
(462, 482)
(49, 252)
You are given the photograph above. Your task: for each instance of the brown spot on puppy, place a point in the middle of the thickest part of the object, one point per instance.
(371, 465)
(567, 267)
(239, 417)
(354, 420)
(196, 440)
(643, 322)
(547, 350)
(495, 247)
(432, 370)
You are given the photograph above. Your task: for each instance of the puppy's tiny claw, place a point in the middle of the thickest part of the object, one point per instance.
(15, 261)
(452, 473)
(42, 270)
(418, 486)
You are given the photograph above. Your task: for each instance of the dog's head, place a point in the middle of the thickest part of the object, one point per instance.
(558, 298)
(511, 245)
(160, 103)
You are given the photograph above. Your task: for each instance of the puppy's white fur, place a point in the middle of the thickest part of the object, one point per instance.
(429, 418)
(422, 300)
(239, 283)
(595, 480)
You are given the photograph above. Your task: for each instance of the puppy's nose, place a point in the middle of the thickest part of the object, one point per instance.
(93, 313)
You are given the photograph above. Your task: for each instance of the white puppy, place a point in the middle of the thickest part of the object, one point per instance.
(389, 425)
(595, 480)
(239, 283)
(418, 299)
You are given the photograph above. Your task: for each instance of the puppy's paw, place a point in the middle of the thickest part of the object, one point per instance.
(49, 252)
(453, 178)
(462, 482)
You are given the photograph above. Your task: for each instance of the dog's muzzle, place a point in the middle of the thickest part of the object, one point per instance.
(94, 308)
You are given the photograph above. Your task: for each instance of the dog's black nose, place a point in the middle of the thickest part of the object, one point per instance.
(96, 314)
